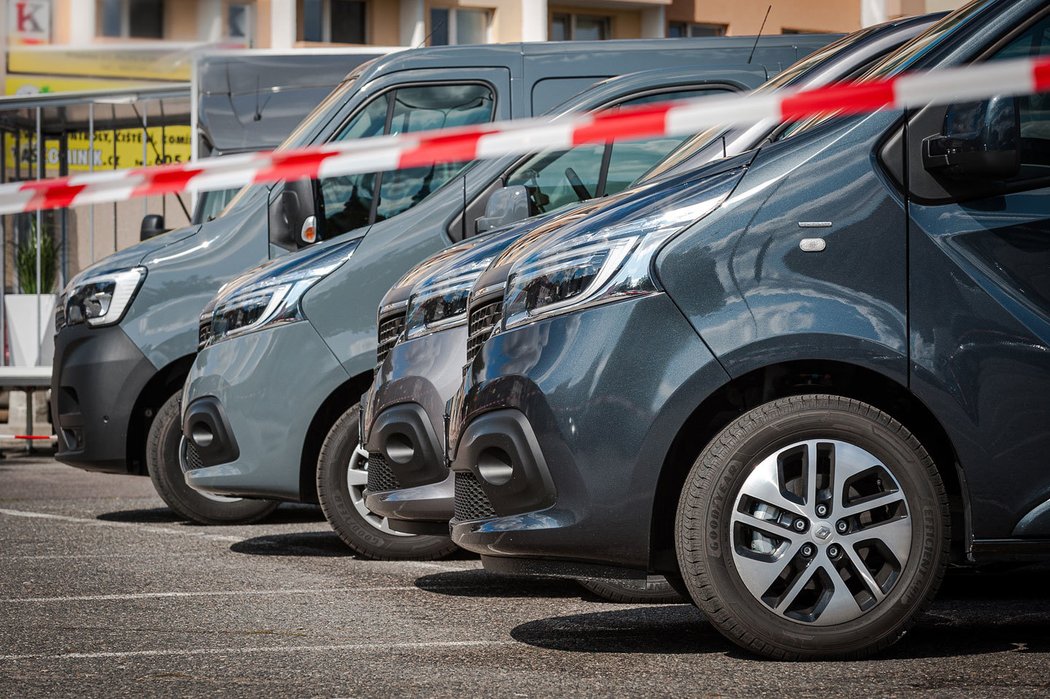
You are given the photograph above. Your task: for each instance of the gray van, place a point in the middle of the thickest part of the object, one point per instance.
(127, 327)
(259, 405)
(421, 367)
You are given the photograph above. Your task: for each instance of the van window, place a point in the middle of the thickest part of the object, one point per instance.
(557, 178)
(354, 201)
(1034, 110)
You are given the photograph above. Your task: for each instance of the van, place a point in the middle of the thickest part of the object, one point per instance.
(272, 386)
(812, 375)
(421, 368)
(127, 327)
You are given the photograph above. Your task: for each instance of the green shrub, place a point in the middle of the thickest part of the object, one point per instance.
(25, 261)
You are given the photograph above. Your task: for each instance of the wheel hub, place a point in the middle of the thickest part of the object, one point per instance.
(820, 532)
(356, 480)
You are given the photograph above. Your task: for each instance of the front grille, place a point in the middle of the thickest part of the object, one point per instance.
(193, 457)
(471, 501)
(380, 477)
(203, 331)
(60, 314)
(390, 329)
(482, 320)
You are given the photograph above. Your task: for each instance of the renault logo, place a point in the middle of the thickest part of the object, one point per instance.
(822, 532)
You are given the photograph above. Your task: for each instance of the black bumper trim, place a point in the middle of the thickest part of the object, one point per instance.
(205, 426)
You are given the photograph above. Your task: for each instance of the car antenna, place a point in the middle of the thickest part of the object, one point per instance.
(432, 30)
(759, 35)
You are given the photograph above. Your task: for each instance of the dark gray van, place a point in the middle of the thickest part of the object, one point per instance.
(421, 368)
(288, 351)
(824, 375)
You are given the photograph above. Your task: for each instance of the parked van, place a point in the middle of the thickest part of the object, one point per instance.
(810, 376)
(403, 425)
(127, 327)
(241, 379)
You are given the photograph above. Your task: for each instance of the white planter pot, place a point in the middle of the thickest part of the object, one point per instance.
(30, 344)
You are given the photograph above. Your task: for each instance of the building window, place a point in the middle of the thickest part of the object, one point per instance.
(677, 30)
(334, 21)
(571, 27)
(450, 26)
(135, 19)
(239, 22)
(785, 30)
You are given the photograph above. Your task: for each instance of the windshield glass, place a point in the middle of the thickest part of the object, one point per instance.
(322, 112)
(792, 75)
(900, 60)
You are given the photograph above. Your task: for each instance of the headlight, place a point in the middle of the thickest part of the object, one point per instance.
(608, 256)
(270, 297)
(102, 299)
(440, 300)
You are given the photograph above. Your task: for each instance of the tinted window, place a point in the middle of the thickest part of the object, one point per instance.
(1034, 109)
(557, 178)
(354, 201)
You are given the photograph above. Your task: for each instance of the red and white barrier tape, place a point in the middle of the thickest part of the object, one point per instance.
(1017, 77)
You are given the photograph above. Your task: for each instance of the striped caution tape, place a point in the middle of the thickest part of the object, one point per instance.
(1015, 77)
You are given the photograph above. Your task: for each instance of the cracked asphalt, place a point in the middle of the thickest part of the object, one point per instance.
(104, 592)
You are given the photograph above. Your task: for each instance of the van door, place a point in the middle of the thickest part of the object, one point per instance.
(979, 279)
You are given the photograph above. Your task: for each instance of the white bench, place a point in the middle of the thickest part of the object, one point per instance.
(29, 379)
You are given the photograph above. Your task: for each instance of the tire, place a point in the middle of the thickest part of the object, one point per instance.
(364, 532)
(162, 462)
(653, 590)
(878, 481)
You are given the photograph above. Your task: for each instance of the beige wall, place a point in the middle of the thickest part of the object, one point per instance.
(745, 16)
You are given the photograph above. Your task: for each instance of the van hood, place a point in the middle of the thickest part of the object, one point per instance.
(134, 255)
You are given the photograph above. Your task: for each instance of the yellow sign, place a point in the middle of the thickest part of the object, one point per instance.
(167, 63)
(113, 150)
(46, 84)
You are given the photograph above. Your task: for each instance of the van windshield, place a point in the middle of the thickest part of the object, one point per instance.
(323, 111)
(791, 76)
(905, 58)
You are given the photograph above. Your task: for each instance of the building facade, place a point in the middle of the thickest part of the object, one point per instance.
(283, 24)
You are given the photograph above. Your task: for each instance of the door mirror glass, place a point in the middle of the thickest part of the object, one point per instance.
(293, 222)
(979, 140)
(152, 225)
(505, 206)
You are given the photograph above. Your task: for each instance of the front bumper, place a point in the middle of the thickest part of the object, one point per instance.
(404, 427)
(97, 377)
(265, 387)
(560, 430)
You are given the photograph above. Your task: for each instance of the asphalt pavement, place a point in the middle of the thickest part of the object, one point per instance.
(104, 592)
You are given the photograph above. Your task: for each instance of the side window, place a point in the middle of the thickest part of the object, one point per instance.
(354, 201)
(348, 199)
(1033, 110)
(422, 109)
(628, 160)
(557, 178)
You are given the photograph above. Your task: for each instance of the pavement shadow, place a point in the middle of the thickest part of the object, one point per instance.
(151, 515)
(975, 614)
(287, 513)
(659, 629)
(315, 544)
(479, 583)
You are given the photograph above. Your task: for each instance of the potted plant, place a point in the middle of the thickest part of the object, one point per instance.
(30, 343)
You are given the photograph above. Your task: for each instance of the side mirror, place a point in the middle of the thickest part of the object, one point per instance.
(293, 220)
(152, 225)
(505, 206)
(979, 140)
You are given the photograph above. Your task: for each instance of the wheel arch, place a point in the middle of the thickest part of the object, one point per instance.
(344, 396)
(158, 389)
(800, 377)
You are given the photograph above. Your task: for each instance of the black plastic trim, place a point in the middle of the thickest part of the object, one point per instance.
(207, 412)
